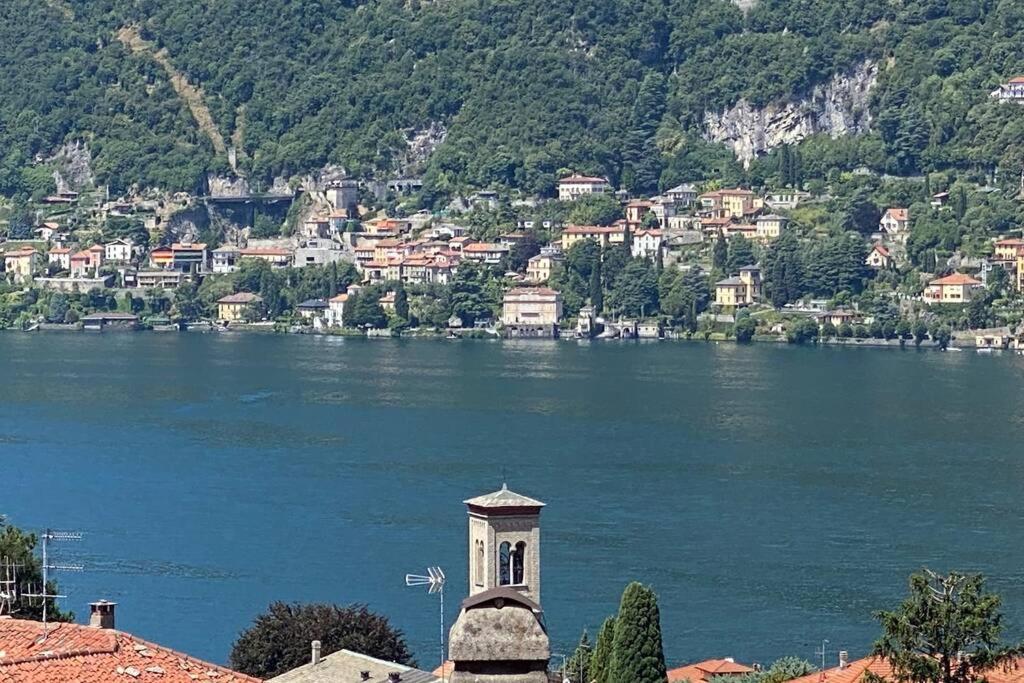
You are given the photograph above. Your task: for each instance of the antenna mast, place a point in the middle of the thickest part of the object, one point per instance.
(8, 587)
(47, 536)
(435, 579)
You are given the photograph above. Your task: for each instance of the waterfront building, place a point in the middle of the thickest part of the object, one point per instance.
(235, 307)
(97, 653)
(532, 311)
(312, 308)
(953, 289)
(500, 636)
(741, 290)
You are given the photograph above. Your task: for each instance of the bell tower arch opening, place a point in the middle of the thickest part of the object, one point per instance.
(504, 543)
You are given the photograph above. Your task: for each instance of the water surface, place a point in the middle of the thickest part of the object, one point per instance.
(773, 496)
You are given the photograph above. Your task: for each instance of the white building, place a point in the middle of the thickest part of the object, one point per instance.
(225, 260)
(575, 186)
(684, 195)
(647, 243)
(1011, 91)
(119, 251)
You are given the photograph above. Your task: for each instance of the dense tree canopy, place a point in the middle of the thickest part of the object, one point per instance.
(516, 91)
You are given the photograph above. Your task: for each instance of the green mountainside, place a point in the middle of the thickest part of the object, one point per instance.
(523, 88)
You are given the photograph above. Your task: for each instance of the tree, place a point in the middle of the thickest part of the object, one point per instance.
(364, 310)
(741, 253)
(920, 332)
(595, 209)
(640, 155)
(20, 548)
(637, 653)
(845, 330)
(803, 331)
(278, 641)
(744, 329)
(635, 290)
(58, 307)
(601, 660)
(577, 670)
(857, 212)
(401, 302)
(828, 330)
(187, 304)
(471, 300)
(720, 253)
(946, 631)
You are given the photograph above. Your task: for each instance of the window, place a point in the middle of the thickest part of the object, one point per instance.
(518, 558)
(478, 571)
(504, 564)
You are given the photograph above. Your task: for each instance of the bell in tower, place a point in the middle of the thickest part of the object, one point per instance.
(504, 543)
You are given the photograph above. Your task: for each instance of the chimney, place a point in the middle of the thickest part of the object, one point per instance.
(101, 614)
(844, 659)
(315, 658)
(394, 677)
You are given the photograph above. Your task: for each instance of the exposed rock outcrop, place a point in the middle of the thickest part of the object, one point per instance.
(72, 166)
(839, 107)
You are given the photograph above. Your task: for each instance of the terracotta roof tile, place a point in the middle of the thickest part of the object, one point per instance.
(72, 652)
(956, 279)
(703, 671)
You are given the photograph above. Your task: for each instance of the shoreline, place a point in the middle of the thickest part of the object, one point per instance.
(480, 335)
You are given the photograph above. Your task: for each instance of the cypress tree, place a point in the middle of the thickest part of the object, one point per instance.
(596, 293)
(720, 252)
(637, 654)
(577, 670)
(599, 670)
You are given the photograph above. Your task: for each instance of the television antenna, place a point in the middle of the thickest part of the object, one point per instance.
(822, 652)
(8, 586)
(435, 579)
(42, 593)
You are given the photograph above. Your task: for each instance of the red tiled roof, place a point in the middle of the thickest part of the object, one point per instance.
(60, 250)
(897, 214)
(239, 298)
(484, 247)
(340, 298)
(956, 279)
(854, 672)
(703, 671)
(72, 652)
(1017, 80)
(881, 250)
(20, 253)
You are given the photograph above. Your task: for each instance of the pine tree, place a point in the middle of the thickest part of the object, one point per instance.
(637, 653)
(601, 660)
(577, 669)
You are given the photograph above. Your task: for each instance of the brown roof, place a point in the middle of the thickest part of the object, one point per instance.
(898, 214)
(592, 230)
(956, 279)
(531, 292)
(196, 246)
(703, 671)
(575, 178)
(484, 247)
(240, 298)
(881, 250)
(72, 652)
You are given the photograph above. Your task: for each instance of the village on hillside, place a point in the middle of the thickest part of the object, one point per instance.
(696, 261)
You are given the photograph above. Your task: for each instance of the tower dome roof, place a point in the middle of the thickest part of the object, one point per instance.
(503, 498)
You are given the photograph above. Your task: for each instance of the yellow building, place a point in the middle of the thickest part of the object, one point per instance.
(22, 264)
(532, 306)
(742, 290)
(1008, 249)
(235, 307)
(603, 235)
(539, 267)
(953, 289)
(770, 227)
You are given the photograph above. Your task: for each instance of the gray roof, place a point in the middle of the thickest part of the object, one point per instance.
(730, 281)
(346, 666)
(503, 498)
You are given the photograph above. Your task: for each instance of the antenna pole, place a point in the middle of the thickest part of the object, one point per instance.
(46, 570)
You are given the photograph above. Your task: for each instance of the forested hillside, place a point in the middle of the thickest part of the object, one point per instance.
(523, 88)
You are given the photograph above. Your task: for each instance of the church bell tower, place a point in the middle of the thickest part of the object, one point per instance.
(504, 543)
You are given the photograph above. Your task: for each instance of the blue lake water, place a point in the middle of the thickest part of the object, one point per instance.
(773, 496)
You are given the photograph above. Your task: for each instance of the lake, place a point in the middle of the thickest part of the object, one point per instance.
(773, 496)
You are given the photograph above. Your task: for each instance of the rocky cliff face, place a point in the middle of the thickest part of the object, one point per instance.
(839, 107)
